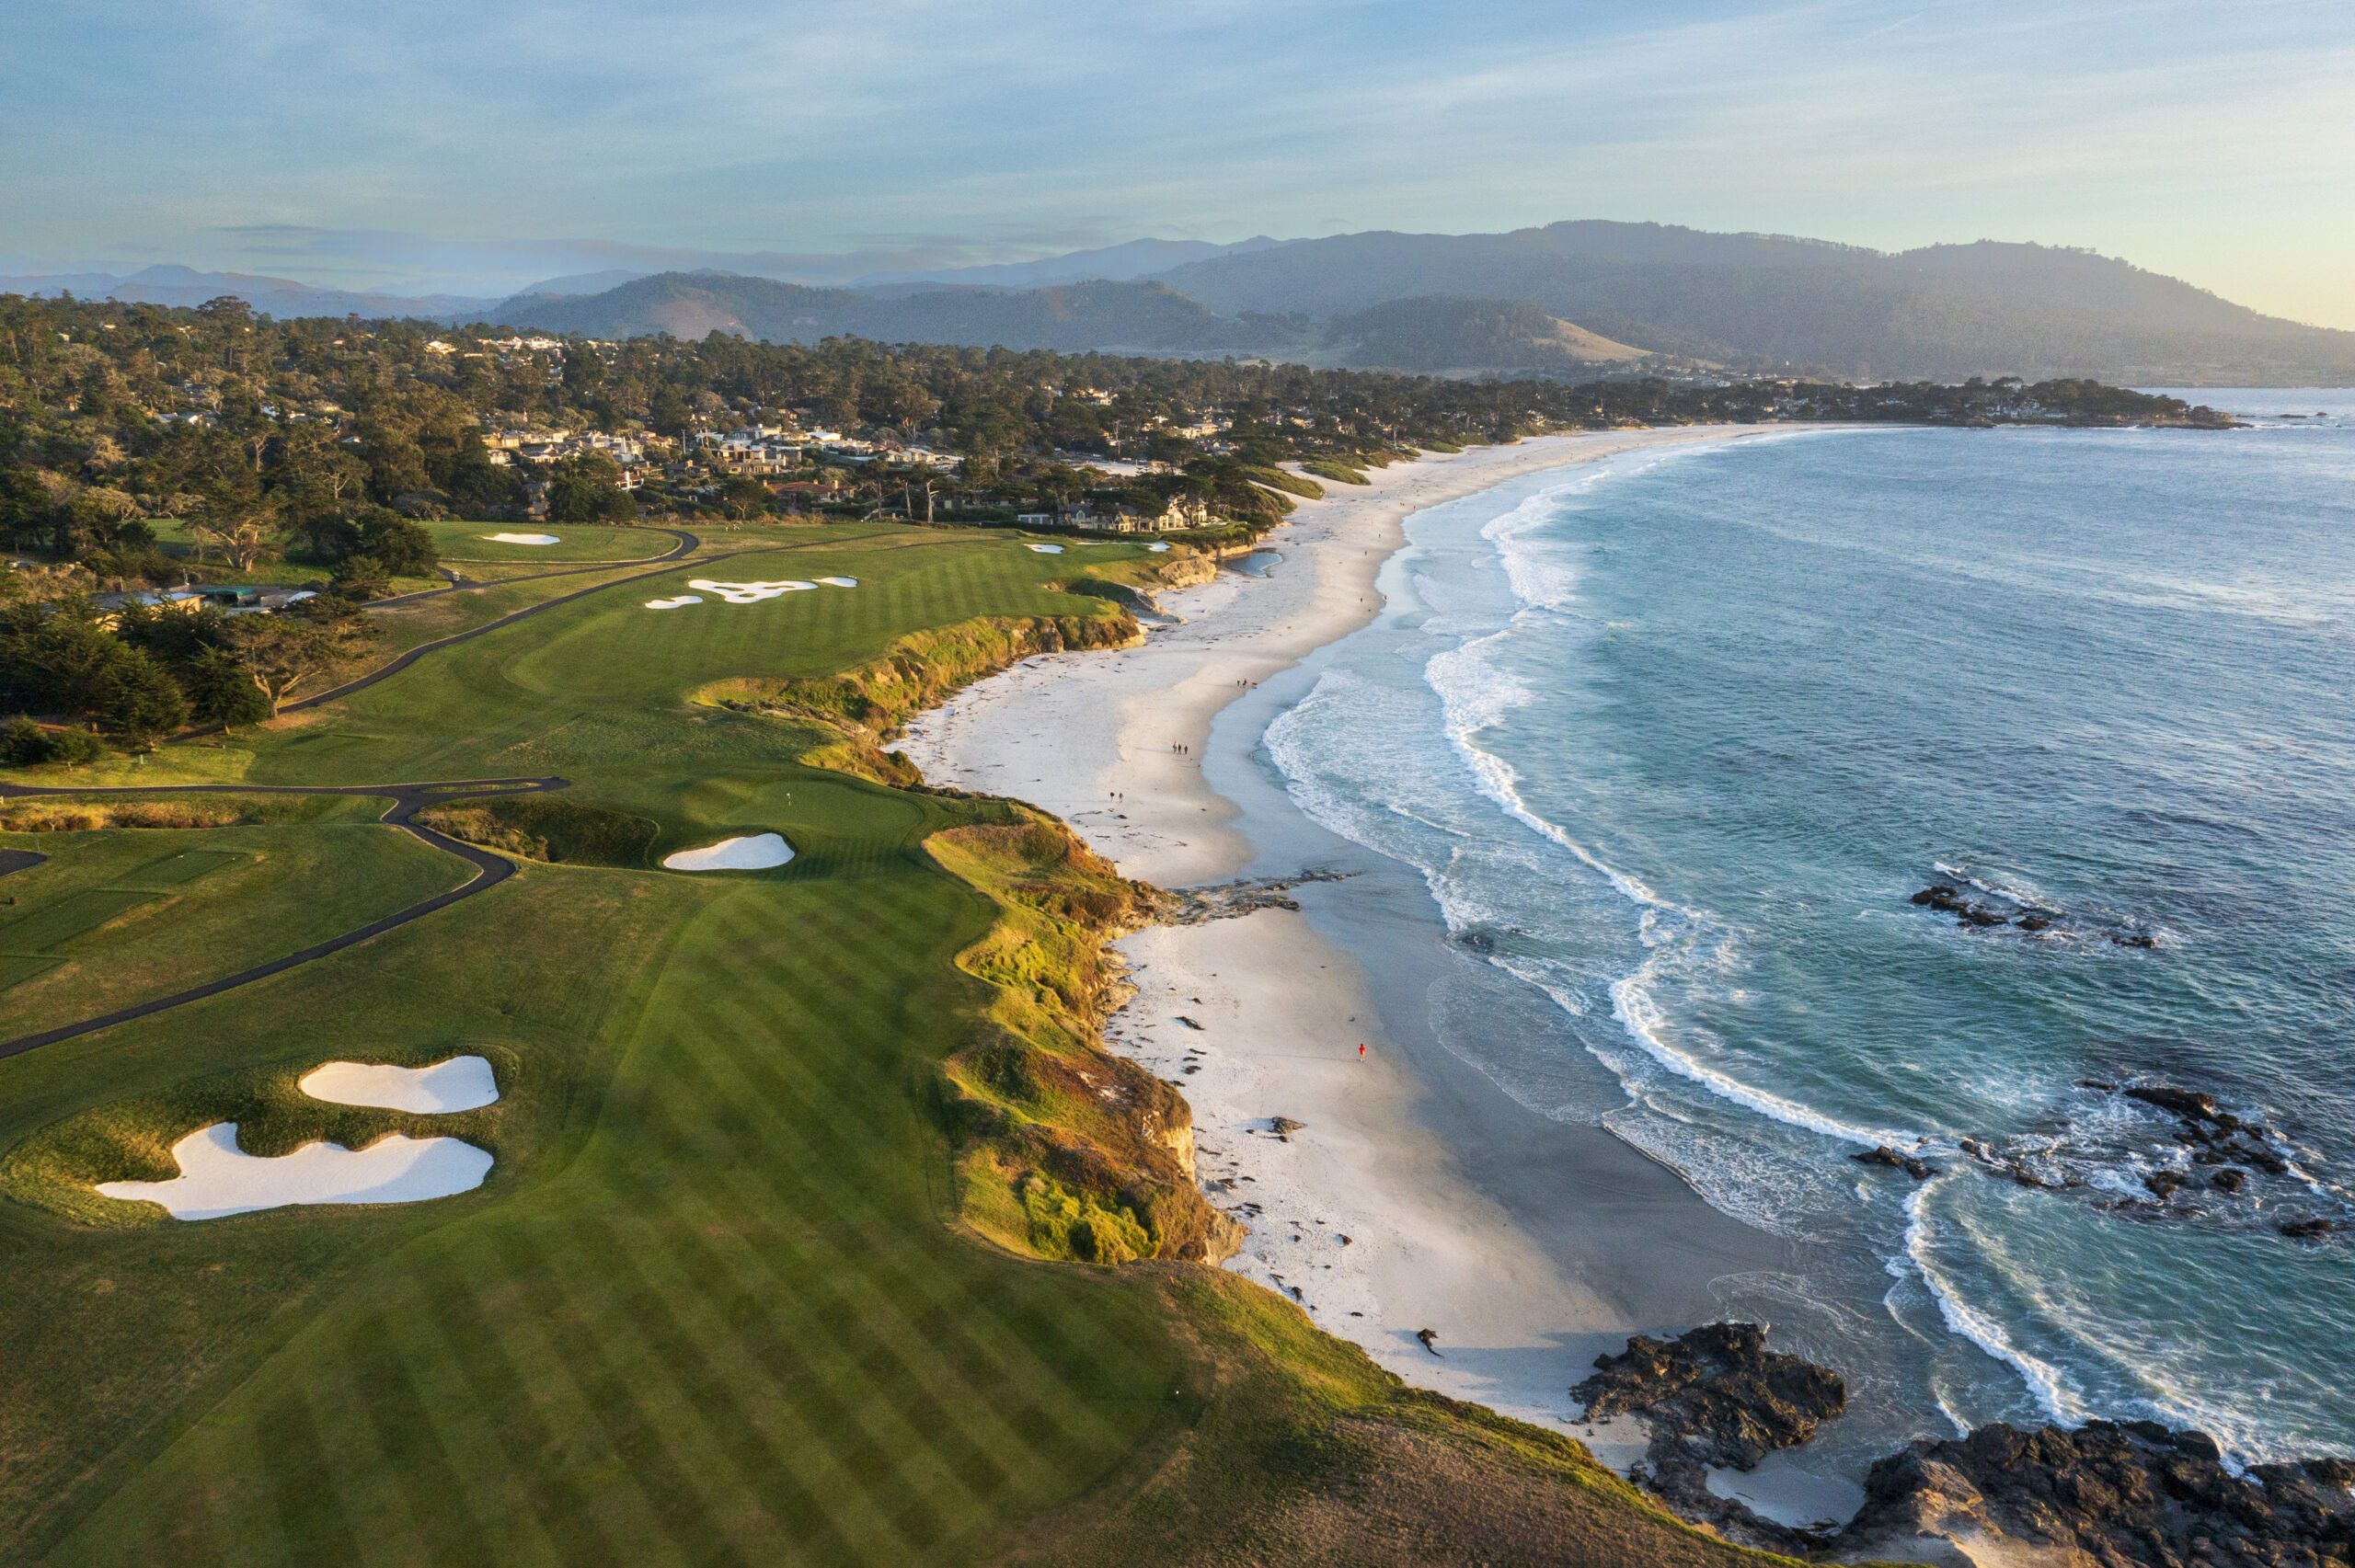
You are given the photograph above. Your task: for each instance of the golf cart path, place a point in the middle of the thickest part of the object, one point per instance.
(685, 546)
(407, 799)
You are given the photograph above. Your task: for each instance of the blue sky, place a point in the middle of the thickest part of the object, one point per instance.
(427, 144)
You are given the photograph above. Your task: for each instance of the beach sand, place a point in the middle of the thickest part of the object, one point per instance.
(1527, 1244)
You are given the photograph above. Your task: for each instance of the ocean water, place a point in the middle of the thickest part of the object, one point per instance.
(1674, 740)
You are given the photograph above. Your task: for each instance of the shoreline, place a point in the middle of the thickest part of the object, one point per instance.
(1528, 1245)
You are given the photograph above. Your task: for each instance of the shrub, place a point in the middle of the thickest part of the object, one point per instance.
(24, 744)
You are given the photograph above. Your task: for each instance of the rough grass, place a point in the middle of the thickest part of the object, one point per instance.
(1339, 473)
(553, 828)
(1284, 479)
(876, 698)
(48, 816)
(1288, 1446)
(1065, 1151)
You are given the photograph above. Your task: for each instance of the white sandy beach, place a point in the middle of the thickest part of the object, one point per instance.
(1527, 1245)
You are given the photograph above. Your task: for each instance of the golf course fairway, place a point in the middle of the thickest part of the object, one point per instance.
(766, 1266)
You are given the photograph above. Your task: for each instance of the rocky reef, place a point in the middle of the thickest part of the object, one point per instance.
(1992, 908)
(2135, 1495)
(2159, 1149)
(2107, 1495)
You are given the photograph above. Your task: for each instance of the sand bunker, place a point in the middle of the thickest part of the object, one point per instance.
(750, 592)
(754, 851)
(674, 604)
(462, 1083)
(521, 538)
(217, 1177)
(1048, 549)
(1156, 549)
(840, 582)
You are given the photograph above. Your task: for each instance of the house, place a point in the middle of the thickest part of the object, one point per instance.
(243, 599)
(1178, 512)
(111, 606)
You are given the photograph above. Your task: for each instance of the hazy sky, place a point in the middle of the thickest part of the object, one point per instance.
(429, 144)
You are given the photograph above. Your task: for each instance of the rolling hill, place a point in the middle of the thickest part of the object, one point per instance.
(1146, 317)
(1762, 301)
(1565, 299)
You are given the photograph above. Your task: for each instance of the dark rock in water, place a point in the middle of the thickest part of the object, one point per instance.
(2307, 1229)
(2102, 1084)
(1714, 1396)
(2033, 921)
(1940, 897)
(1981, 915)
(2163, 1184)
(2181, 1101)
(1920, 1170)
(2121, 1496)
(2133, 939)
(2231, 1179)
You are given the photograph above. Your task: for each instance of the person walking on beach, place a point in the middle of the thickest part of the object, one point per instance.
(1360, 1050)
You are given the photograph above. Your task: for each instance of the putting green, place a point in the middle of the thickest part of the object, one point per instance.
(575, 542)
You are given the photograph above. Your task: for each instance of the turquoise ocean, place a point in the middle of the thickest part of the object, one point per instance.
(1674, 740)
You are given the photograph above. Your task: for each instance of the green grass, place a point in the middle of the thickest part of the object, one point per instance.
(56, 922)
(133, 914)
(713, 1303)
(706, 1304)
(1340, 472)
(466, 541)
(18, 968)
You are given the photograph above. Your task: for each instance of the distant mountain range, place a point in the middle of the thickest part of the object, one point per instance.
(271, 296)
(1568, 298)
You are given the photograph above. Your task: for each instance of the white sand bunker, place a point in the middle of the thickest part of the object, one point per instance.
(217, 1177)
(754, 851)
(674, 604)
(521, 538)
(1048, 549)
(462, 1083)
(840, 582)
(750, 592)
(1157, 549)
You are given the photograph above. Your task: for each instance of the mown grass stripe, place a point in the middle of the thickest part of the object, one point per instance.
(801, 1288)
(305, 1503)
(640, 1430)
(432, 1485)
(994, 1375)
(489, 1356)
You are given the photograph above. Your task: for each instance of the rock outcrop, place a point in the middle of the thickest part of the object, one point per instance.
(2118, 1495)
(1714, 1397)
